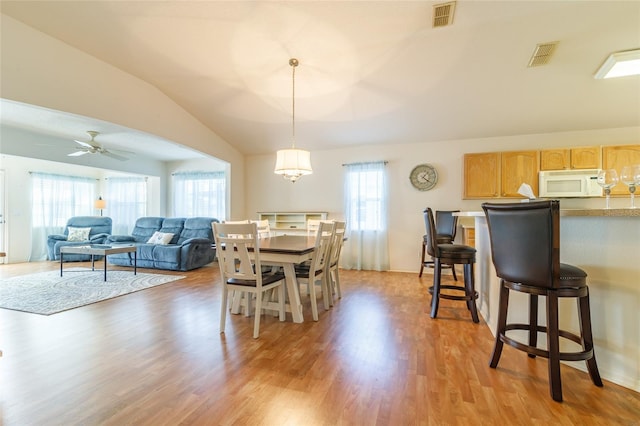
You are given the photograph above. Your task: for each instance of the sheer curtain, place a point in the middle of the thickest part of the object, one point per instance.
(200, 194)
(365, 191)
(54, 199)
(126, 199)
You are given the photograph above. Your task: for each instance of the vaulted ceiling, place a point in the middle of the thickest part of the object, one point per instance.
(371, 72)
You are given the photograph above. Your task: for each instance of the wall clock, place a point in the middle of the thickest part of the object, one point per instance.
(423, 177)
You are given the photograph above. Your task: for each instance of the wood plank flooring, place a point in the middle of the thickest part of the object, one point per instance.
(156, 357)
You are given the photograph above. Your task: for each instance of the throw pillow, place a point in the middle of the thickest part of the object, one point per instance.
(78, 234)
(162, 238)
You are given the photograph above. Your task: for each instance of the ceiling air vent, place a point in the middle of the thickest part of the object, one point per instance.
(542, 54)
(443, 14)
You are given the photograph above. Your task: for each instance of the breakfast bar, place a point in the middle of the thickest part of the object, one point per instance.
(606, 244)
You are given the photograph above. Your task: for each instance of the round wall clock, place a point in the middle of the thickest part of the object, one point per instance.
(423, 177)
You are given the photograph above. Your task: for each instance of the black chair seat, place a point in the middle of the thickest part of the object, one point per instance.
(456, 251)
(266, 280)
(572, 276)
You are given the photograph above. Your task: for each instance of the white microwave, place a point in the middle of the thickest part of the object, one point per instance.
(569, 183)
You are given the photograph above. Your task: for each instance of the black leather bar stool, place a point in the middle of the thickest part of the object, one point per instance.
(525, 244)
(450, 254)
(446, 228)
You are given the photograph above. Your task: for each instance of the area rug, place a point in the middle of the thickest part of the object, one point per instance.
(48, 293)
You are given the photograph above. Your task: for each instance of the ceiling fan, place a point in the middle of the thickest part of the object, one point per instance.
(93, 147)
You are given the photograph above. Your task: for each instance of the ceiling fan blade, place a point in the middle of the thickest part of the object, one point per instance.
(112, 155)
(85, 144)
(77, 153)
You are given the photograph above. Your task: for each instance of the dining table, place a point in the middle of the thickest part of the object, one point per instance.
(286, 251)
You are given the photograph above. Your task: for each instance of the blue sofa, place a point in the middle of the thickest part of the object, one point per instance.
(100, 230)
(191, 246)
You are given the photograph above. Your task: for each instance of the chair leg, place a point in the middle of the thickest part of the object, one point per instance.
(553, 345)
(469, 284)
(533, 322)
(336, 279)
(435, 297)
(281, 298)
(223, 308)
(584, 312)
(327, 296)
(311, 287)
(424, 247)
(503, 306)
(453, 269)
(257, 315)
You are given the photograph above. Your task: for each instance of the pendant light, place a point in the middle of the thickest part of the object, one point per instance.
(293, 163)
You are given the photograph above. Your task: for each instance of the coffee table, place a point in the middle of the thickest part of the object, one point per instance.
(100, 250)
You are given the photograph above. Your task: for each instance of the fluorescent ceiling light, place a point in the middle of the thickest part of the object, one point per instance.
(620, 64)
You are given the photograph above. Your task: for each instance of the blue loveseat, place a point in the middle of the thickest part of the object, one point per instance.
(189, 247)
(100, 230)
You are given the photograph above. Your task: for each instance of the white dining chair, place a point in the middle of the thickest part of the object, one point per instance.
(264, 229)
(239, 259)
(333, 274)
(312, 226)
(315, 272)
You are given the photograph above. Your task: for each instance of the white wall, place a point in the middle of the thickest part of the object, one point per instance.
(322, 191)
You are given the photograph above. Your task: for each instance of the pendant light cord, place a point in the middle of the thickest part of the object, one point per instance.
(294, 63)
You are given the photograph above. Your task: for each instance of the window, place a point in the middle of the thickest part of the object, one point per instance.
(366, 214)
(54, 199)
(200, 194)
(126, 201)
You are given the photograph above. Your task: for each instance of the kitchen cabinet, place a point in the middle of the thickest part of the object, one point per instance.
(587, 157)
(482, 175)
(618, 156)
(555, 159)
(518, 167)
(290, 222)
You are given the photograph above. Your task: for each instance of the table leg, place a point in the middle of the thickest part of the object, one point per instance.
(105, 267)
(293, 292)
(61, 263)
(135, 262)
(93, 264)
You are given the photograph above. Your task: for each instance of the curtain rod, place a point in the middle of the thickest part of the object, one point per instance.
(366, 162)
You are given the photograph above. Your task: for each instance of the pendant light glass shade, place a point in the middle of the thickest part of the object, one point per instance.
(293, 163)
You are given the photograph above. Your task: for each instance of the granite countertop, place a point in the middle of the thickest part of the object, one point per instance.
(601, 212)
(576, 212)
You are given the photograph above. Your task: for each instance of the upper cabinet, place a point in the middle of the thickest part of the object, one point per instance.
(587, 157)
(482, 175)
(519, 167)
(618, 156)
(555, 159)
(570, 158)
(499, 174)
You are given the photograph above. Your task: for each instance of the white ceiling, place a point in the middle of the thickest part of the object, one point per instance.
(371, 72)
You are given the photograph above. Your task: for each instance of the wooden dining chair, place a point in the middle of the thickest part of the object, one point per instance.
(333, 270)
(525, 247)
(315, 272)
(264, 229)
(241, 270)
(312, 226)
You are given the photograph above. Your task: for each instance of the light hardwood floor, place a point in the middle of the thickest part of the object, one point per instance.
(156, 357)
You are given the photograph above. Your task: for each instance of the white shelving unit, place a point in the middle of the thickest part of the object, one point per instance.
(282, 223)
